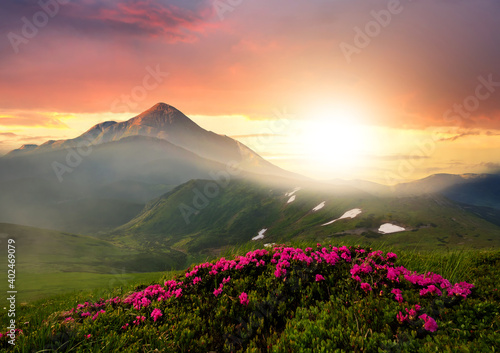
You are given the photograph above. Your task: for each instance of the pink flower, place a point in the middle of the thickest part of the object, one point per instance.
(88, 336)
(139, 319)
(217, 291)
(429, 323)
(412, 313)
(432, 289)
(97, 314)
(244, 299)
(391, 256)
(346, 256)
(401, 318)
(398, 295)
(393, 274)
(319, 278)
(461, 289)
(196, 280)
(125, 326)
(366, 287)
(156, 314)
(226, 280)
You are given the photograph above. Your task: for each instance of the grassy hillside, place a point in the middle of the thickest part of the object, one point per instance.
(286, 299)
(196, 216)
(49, 262)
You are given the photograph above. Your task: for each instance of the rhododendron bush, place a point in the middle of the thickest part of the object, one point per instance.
(275, 300)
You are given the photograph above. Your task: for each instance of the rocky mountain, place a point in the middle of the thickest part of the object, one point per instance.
(103, 177)
(165, 122)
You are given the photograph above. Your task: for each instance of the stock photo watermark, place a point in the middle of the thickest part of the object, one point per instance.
(11, 291)
(222, 7)
(364, 35)
(151, 81)
(31, 26)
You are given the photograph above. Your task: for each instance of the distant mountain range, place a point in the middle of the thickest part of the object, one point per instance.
(474, 189)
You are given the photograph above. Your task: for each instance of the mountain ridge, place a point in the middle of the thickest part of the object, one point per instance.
(167, 123)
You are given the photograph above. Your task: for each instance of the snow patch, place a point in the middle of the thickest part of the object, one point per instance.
(261, 234)
(293, 191)
(349, 214)
(388, 228)
(269, 245)
(319, 207)
(291, 199)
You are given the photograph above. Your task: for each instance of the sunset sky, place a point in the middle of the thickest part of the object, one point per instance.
(379, 90)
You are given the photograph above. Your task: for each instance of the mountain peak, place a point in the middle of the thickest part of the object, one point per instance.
(161, 106)
(161, 115)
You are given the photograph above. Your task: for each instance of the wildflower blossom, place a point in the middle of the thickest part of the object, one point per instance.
(411, 312)
(429, 323)
(138, 320)
(156, 314)
(391, 256)
(366, 287)
(398, 295)
(401, 318)
(97, 314)
(244, 299)
(432, 289)
(319, 278)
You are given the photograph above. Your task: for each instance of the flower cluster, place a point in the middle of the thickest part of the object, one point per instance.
(244, 299)
(368, 271)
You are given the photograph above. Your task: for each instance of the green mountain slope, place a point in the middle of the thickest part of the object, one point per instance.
(49, 262)
(198, 216)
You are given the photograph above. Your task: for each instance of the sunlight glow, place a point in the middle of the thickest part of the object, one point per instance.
(337, 137)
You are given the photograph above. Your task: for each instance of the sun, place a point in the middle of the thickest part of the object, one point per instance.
(336, 137)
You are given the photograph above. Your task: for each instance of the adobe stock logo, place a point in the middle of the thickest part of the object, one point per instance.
(483, 91)
(31, 27)
(223, 6)
(364, 36)
(153, 78)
